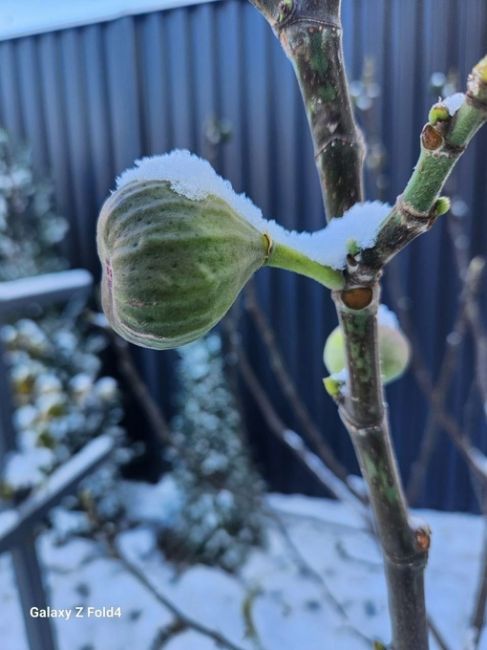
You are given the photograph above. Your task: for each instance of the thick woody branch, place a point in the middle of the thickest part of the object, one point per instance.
(311, 35)
(405, 545)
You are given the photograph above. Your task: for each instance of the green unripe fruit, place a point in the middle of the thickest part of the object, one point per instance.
(394, 352)
(172, 267)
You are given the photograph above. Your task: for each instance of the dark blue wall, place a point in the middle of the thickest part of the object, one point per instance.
(90, 100)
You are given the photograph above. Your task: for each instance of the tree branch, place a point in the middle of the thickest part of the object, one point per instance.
(310, 33)
(442, 144)
(437, 398)
(108, 538)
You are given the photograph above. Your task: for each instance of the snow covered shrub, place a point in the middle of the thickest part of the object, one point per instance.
(215, 509)
(62, 399)
(30, 229)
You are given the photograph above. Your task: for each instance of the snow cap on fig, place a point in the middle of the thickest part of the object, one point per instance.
(394, 350)
(177, 245)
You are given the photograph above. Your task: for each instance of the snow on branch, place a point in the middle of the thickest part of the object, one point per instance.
(195, 179)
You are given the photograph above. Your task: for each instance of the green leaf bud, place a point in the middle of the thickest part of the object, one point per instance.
(438, 113)
(441, 206)
(334, 385)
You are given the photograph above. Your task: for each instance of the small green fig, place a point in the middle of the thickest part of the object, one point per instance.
(177, 245)
(394, 349)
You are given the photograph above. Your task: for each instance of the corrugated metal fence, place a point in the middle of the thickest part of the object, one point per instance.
(92, 99)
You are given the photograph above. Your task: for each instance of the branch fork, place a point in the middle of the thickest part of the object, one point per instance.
(310, 33)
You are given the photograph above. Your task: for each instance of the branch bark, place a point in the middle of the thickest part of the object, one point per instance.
(310, 33)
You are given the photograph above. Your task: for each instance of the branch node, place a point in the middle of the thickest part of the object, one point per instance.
(357, 429)
(410, 214)
(353, 143)
(422, 537)
(357, 298)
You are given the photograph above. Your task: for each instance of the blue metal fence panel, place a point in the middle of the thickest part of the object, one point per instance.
(92, 99)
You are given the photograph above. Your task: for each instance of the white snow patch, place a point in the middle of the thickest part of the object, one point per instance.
(453, 102)
(291, 609)
(479, 459)
(195, 179)
(27, 468)
(137, 543)
(387, 318)
(152, 504)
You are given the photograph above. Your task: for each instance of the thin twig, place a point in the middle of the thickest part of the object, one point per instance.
(180, 616)
(309, 571)
(425, 382)
(288, 387)
(438, 397)
(436, 634)
(471, 272)
(134, 381)
(477, 620)
(289, 438)
(108, 538)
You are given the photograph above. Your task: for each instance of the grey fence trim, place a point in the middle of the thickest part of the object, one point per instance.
(17, 535)
(26, 19)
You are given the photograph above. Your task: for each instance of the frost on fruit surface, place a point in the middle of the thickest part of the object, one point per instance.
(195, 179)
(453, 102)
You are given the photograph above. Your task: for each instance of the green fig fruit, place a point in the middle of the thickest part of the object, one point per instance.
(177, 245)
(394, 349)
(172, 267)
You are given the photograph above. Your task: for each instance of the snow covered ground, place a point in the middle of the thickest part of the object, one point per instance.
(276, 603)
